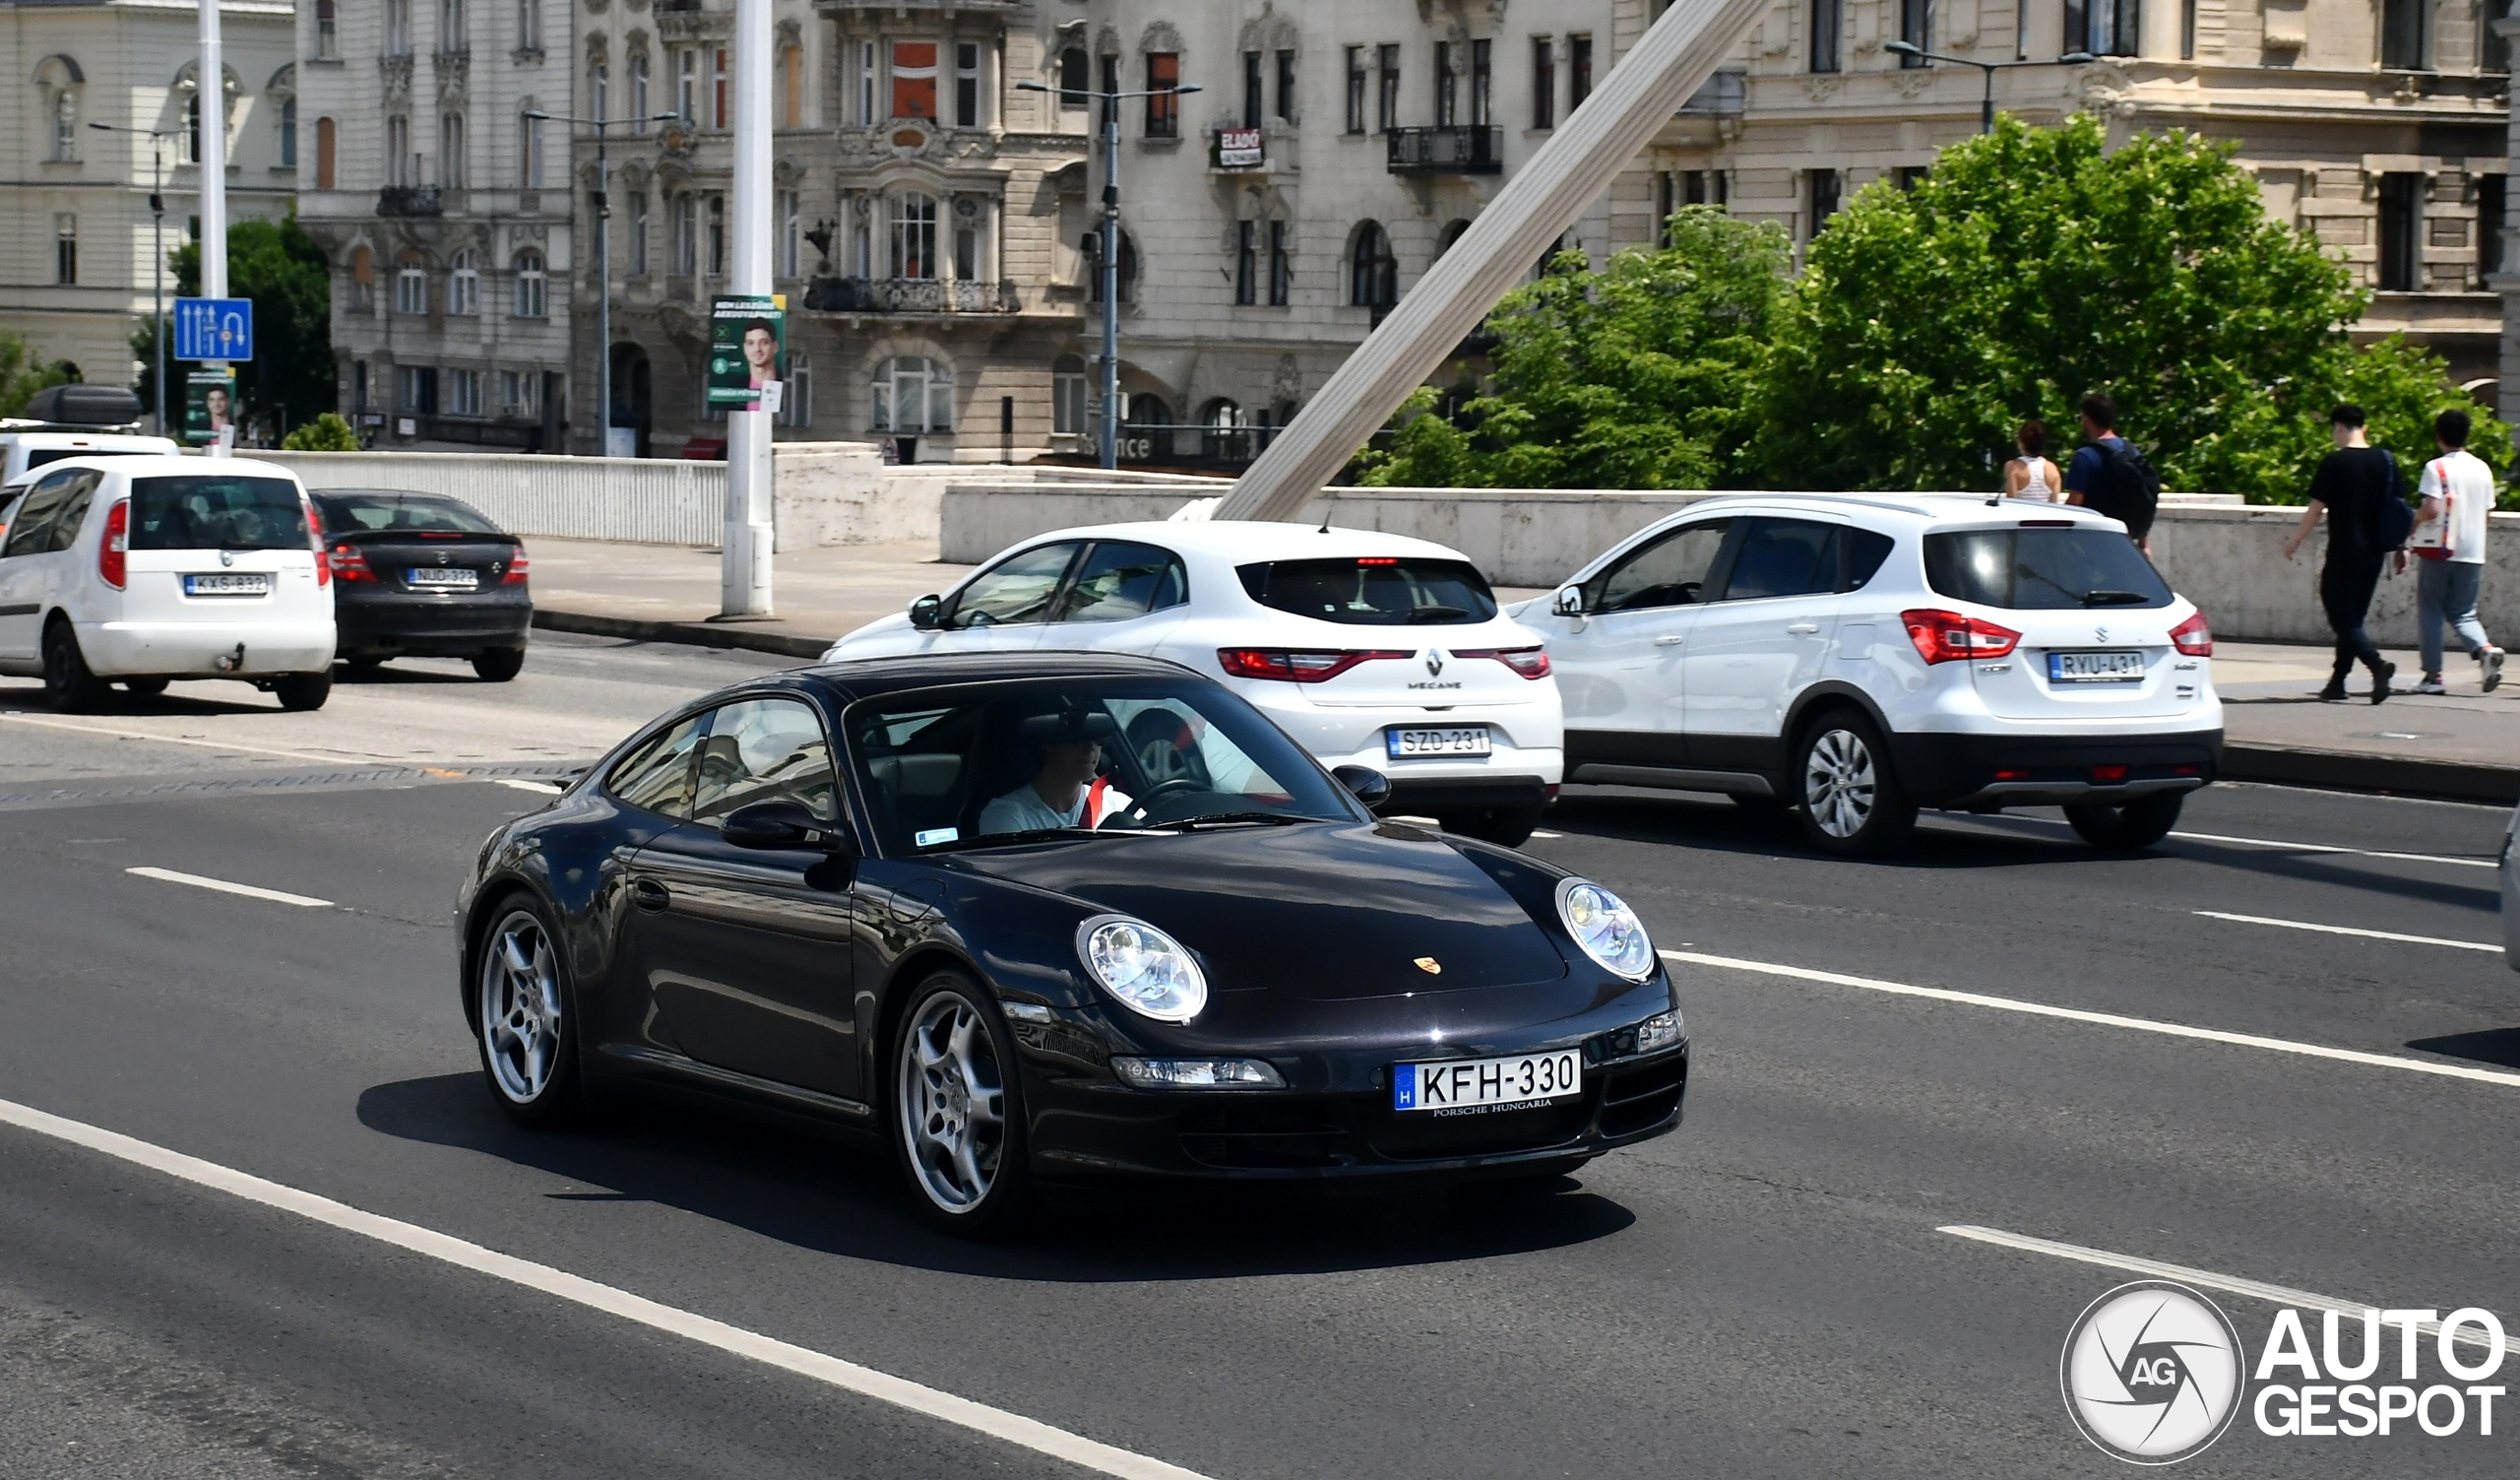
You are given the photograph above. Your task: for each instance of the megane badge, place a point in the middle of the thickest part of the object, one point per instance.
(1430, 966)
(1435, 662)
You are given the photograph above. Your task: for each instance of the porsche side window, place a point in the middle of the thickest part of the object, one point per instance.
(1121, 581)
(763, 751)
(1670, 572)
(1017, 589)
(1168, 740)
(657, 775)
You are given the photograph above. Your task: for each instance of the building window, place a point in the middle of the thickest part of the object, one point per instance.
(289, 133)
(2111, 27)
(464, 282)
(65, 124)
(1910, 176)
(687, 85)
(1579, 71)
(2188, 30)
(796, 402)
(1374, 276)
(866, 113)
(1076, 77)
(1355, 89)
(639, 91)
(192, 129)
(2497, 49)
(1286, 86)
(1483, 84)
(2401, 222)
(520, 397)
(450, 26)
(362, 278)
(1067, 395)
(2402, 34)
(450, 150)
(532, 287)
(1280, 270)
(914, 234)
(65, 249)
(913, 78)
(328, 33)
(1386, 89)
(686, 234)
(528, 25)
(1254, 96)
(1247, 262)
(718, 87)
(1821, 191)
(639, 233)
(412, 288)
(397, 27)
(415, 389)
(1829, 23)
(717, 235)
(2490, 200)
(1915, 21)
(1093, 248)
(399, 169)
(462, 393)
(967, 85)
(327, 139)
(600, 91)
(913, 395)
(530, 152)
(358, 385)
(1447, 87)
(1543, 82)
(791, 208)
(1162, 104)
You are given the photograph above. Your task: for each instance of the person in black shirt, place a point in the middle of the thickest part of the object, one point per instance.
(2350, 486)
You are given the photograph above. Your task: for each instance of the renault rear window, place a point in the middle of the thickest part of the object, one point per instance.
(216, 511)
(2043, 569)
(1373, 590)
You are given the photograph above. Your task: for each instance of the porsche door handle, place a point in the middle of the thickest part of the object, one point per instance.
(1803, 628)
(649, 895)
(1669, 640)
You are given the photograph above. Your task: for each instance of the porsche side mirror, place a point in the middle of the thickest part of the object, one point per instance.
(1365, 784)
(1567, 602)
(779, 824)
(927, 612)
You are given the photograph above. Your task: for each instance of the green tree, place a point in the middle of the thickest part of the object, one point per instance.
(328, 432)
(21, 375)
(281, 269)
(2036, 265)
(1641, 375)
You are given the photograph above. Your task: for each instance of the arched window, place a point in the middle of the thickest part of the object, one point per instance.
(529, 149)
(192, 129)
(363, 278)
(61, 79)
(412, 286)
(1068, 394)
(914, 234)
(792, 87)
(1225, 432)
(913, 394)
(1076, 77)
(450, 26)
(450, 152)
(289, 133)
(324, 147)
(1146, 418)
(1452, 232)
(1373, 276)
(464, 282)
(532, 287)
(65, 124)
(1093, 248)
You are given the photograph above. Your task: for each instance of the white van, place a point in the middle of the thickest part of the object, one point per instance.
(24, 450)
(138, 571)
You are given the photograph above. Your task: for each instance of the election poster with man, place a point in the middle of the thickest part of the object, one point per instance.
(747, 341)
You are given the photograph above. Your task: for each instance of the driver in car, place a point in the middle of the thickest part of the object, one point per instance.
(1066, 789)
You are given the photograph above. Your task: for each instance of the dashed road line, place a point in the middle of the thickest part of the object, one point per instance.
(2347, 929)
(225, 886)
(335, 758)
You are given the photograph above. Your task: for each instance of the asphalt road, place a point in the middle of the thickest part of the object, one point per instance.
(1768, 1292)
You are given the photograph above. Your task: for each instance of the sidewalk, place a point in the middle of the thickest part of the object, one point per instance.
(2465, 745)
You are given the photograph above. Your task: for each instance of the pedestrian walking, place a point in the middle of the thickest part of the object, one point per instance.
(2448, 543)
(2031, 476)
(2109, 477)
(2351, 488)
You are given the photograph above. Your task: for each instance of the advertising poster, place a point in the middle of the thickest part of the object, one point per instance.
(209, 407)
(747, 337)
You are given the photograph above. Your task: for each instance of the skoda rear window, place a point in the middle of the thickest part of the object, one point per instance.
(216, 511)
(1373, 590)
(2043, 569)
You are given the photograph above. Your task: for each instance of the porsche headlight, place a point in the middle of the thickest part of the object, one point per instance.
(1607, 930)
(1145, 968)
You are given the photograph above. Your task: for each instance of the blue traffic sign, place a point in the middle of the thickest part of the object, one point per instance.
(214, 328)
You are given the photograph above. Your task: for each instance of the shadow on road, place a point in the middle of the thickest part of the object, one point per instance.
(2500, 1047)
(808, 1193)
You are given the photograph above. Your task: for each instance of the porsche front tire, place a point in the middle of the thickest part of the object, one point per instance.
(958, 1110)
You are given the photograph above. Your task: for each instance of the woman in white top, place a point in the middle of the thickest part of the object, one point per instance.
(2031, 474)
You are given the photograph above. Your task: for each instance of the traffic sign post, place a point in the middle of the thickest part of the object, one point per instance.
(215, 329)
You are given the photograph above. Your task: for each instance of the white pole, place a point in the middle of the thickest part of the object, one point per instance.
(743, 581)
(209, 97)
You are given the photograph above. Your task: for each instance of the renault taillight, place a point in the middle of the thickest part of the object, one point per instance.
(1295, 665)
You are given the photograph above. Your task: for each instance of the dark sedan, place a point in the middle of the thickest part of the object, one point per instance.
(421, 575)
(1034, 918)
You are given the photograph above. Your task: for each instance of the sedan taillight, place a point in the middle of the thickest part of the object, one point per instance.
(2193, 637)
(1295, 665)
(111, 562)
(349, 564)
(1949, 638)
(516, 569)
(1530, 663)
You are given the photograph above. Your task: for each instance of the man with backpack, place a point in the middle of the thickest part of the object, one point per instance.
(2109, 477)
(2356, 487)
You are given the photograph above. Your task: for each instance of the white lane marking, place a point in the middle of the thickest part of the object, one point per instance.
(2347, 929)
(335, 757)
(2104, 1019)
(1550, 836)
(2279, 1295)
(2284, 847)
(250, 891)
(867, 1381)
(546, 788)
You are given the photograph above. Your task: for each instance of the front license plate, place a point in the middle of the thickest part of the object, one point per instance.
(229, 583)
(431, 575)
(1482, 1083)
(1415, 740)
(2095, 667)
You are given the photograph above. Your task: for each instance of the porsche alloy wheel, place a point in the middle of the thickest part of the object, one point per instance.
(954, 1115)
(522, 1008)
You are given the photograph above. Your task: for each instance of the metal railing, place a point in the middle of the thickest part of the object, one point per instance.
(1446, 149)
(910, 295)
(645, 501)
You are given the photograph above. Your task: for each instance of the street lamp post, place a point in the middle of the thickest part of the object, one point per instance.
(1110, 438)
(603, 263)
(157, 248)
(1987, 99)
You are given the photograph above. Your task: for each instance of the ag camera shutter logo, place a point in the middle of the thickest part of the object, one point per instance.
(2152, 1372)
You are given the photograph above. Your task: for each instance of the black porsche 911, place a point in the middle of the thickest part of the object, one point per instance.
(1041, 918)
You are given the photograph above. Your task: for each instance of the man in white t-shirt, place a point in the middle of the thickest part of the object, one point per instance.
(2457, 489)
(1066, 789)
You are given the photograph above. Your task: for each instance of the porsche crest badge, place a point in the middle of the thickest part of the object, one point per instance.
(1430, 966)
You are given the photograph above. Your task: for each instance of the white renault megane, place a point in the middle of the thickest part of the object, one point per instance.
(1371, 649)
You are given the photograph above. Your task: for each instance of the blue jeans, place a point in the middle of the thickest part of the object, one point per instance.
(2445, 592)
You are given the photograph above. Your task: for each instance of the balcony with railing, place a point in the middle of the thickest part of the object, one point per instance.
(1446, 149)
(910, 295)
(1726, 94)
(410, 199)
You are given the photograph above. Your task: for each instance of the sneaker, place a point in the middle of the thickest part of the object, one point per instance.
(2431, 685)
(2380, 677)
(2489, 661)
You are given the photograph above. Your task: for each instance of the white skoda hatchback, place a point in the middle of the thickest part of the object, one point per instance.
(1371, 649)
(1858, 657)
(139, 570)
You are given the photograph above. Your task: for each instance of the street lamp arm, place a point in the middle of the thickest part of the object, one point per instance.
(1028, 85)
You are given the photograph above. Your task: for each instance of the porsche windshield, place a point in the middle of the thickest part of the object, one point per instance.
(953, 767)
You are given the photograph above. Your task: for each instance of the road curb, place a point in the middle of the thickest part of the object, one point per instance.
(2351, 771)
(694, 633)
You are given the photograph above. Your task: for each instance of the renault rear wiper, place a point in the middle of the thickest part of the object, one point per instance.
(1436, 613)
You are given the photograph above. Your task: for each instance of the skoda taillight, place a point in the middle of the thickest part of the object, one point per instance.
(111, 562)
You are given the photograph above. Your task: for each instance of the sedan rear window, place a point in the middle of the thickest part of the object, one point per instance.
(215, 511)
(1373, 590)
(2043, 569)
(428, 513)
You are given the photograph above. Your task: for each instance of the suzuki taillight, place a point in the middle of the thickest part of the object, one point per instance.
(111, 563)
(1530, 663)
(1949, 638)
(516, 569)
(2194, 637)
(1295, 665)
(349, 564)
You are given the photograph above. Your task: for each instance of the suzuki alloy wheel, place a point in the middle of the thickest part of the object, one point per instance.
(520, 1009)
(1850, 797)
(957, 1117)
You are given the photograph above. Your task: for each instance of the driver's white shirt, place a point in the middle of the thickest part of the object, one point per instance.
(1022, 809)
